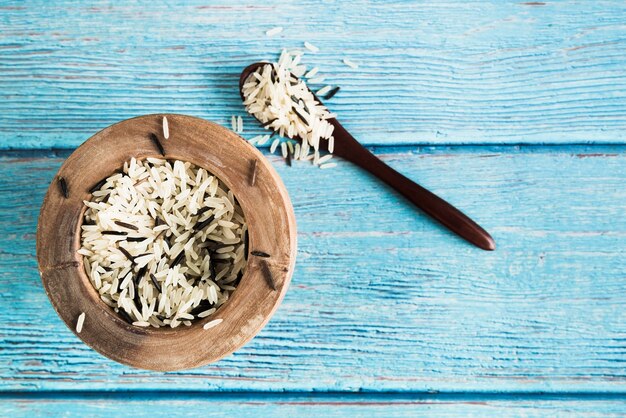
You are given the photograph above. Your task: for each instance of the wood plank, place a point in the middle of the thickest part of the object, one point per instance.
(382, 298)
(307, 405)
(452, 72)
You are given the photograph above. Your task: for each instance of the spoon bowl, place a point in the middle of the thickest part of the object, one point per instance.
(323, 145)
(347, 147)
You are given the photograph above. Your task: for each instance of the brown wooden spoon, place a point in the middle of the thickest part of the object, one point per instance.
(350, 149)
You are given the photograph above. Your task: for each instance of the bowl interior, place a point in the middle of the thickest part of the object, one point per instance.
(271, 229)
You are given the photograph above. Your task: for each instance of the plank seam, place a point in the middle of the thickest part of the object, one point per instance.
(307, 396)
(572, 148)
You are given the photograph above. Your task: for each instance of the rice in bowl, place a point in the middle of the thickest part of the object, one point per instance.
(163, 242)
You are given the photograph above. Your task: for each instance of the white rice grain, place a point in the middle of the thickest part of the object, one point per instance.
(312, 72)
(328, 165)
(296, 152)
(324, 159)
(79, 322)
(213, 323)
(255, 140)
(274, 145)
(324, 90)
(274, 31)
(350, 63)
(206, 313)
(166, 128)
(263, 140)
(311, 47)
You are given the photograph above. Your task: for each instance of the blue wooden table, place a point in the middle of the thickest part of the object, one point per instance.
(513, 111)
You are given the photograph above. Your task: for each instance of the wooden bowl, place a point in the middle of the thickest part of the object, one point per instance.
(267, 209)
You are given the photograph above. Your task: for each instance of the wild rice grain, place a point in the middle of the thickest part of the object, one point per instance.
(178, 259)
(120, 233)
(65, 191)
(155, 282)
(268, 275)
(97, 186)
(126, 225)
(166, 128)
(126, 253)
(259, 253)
(331, 93)
(140, 274)
(203, 224)
(79, 323)
(157, 143)
(125, 316)
(269, 122)
(253, 173)
(300, 116)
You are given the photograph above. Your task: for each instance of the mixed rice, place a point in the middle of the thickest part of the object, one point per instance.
(164, 242)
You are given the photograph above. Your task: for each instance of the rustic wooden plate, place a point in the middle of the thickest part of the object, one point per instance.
(266, 206)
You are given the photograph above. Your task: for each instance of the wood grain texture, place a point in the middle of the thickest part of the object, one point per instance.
(382, 298)
(450, 72)
(307, 405)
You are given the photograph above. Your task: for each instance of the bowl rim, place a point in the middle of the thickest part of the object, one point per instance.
(222, 153)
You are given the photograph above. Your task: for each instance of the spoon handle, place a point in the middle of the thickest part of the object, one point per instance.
(449, 216)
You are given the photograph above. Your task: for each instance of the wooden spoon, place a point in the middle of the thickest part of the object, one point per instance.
(350, 149)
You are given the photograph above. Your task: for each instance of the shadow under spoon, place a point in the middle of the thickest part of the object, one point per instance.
(348, 148)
